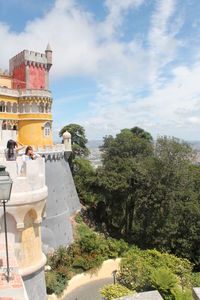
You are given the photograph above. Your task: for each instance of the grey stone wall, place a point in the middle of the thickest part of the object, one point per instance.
(62, 203)
(35, 285)
(196, 293)
(152, 295)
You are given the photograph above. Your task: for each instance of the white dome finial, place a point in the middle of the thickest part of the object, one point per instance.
(48, 47)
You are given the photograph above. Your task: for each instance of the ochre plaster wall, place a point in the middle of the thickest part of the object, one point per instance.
(8, 98)
(30, 132)
(5, 81)
(30, 242)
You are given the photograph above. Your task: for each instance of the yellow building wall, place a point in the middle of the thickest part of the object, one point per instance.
(30, 245)
(8, 99)
(30, 132)
(5, 81)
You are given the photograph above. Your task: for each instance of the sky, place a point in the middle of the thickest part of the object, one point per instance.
(116, 64)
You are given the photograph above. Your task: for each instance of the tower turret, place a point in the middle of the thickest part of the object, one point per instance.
(30, 69)
(48, 53)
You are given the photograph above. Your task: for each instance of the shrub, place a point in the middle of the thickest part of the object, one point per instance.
(182, 295)
(78, 218)
(195, 277)
(50, 281)
(137, 266)
(113, 291)
(116, 248)
(164, 281)
(55, 282)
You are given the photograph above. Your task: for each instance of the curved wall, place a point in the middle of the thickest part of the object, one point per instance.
(62, 203)
(35, 285)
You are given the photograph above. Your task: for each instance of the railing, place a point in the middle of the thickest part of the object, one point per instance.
(25, 92)
(9, 92)
(34, 92)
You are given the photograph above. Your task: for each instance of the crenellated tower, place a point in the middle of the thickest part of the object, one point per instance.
(25, 102)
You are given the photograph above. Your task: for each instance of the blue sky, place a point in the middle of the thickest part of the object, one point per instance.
(116, 64)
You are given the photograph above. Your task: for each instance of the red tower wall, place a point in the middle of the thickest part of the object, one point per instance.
(36, 77)
(19, 77)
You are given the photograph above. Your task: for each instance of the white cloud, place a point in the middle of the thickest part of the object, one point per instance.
(116, 10)
(172, 110)
(124, 71)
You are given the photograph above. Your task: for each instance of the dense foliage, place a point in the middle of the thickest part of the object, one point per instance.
(146, 193)
(140, 270)
(144, 270)
(114, 291)
(87, 252)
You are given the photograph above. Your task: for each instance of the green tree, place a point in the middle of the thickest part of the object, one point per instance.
(142, 133)
(84, 178)
(122, 180)
(78, 140)
(149, 192)
(168, 217)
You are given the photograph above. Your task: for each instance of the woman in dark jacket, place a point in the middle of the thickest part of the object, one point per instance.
(12, 149)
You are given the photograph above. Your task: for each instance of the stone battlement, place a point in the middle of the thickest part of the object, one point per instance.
(26, 57)
(28, 177)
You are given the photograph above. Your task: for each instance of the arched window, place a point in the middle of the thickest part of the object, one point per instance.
(2, 106)
(47, 129)
(14, 108)
(34, 107)
(21, 108)
(41, 107)
(8, 107)
(46, 108)
(27, 107)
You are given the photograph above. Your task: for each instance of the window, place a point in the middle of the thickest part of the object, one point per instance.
(27, 107)
(41, 107)
(47, 129)
(8, 107)
(14, 108)
(2, 106)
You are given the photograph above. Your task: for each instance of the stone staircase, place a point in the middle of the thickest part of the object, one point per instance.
(14, 289)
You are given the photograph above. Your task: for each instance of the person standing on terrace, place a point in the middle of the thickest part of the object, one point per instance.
(12, 150)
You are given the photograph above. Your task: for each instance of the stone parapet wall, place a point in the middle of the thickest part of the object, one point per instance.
(196, 293)
(25, 93)
(29, 191)
(35, 93)
(9, 92)
(27, 176)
